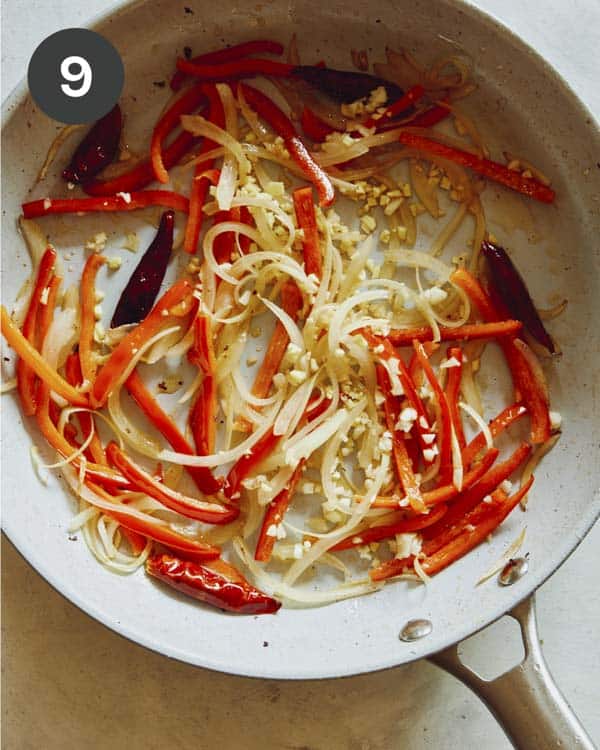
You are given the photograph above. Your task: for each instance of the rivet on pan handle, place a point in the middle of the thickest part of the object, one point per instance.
(525, 700)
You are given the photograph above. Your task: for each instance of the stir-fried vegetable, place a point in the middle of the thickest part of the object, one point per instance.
(306, 393)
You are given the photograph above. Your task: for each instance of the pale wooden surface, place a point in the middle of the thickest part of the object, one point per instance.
(68, 682)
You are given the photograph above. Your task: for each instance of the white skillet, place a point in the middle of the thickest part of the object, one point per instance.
(522, 104)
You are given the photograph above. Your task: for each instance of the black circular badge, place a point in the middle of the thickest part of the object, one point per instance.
(75, 76)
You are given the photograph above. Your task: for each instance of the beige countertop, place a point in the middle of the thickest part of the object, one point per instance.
(68, 682)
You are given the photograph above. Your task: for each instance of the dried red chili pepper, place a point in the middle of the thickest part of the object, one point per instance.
(137, 298)
(223, 587)
(283, 126)
(97, 150)
(344, 85)
(508, 284)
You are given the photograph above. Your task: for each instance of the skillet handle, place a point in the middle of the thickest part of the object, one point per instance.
(525, 700)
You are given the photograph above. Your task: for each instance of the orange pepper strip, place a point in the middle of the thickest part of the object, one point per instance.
(46, 313)
(202, 475)
(406, 476)
(88, 320)
(468, 332)
(307, 221)
(291, 302)
(38, 364)
(95, 450)
(152, 528)
(121, 356)
(445, 427)
(490, 169)
(470, 499)
(201, 181)
(26, 378)
(377, 533)
(526, 371)
(186, 104)
(102, 474)
(274, 515)
(497, 425)
(468, 540)
(453, 394)
(447, 492)
(191, 507)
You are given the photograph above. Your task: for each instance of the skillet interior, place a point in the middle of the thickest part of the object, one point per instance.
(521, 104)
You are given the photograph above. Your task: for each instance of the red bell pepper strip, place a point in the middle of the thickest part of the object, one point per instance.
(95, 450)
(141, 290)
(447, 492)
(204, 411)
(470, 538)
(377, 533)
(397, 108)
(508, 283)
(467, 332)
(202, 475)
(497, 425)
(185, 105)
(470, 499)
(245, 465)
(391, 568)
(490, 169)
(307, 221)
(278, 506)
(453, 394)
(526, 371)
(282, 125)
(389, 354)
(430, 117)
(445, 426)
(190, 507)
(274, 515)
(142, 174)
(97, 150)
(202, 353)
(463, 538)
(121, 356)
(291, 303)
(228, 54)
(26, 377)
(203, 416)
(224, 244)
(129, 202)
(38, 364)
(404, 469)
(315, 128)
(235, 69)
(201, 183)
(88, 318)
(211, 587)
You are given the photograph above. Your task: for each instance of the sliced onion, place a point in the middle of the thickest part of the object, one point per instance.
(294, 408)
(291, 328)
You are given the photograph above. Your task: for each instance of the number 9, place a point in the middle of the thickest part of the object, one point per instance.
(84, 75)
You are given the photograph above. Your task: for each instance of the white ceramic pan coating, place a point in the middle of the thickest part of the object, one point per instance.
(521, 104)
